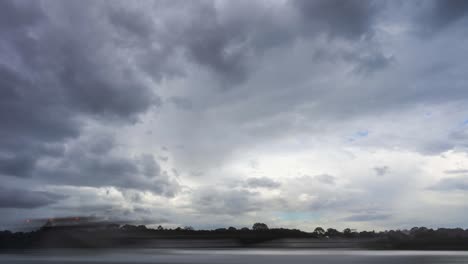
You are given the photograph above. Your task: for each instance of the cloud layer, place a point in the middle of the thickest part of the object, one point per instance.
(208, 113)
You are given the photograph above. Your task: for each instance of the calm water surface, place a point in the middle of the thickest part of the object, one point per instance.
(237, 256)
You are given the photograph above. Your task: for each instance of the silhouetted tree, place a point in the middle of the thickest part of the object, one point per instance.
(347, 232)
(331, 232)
(367, 234)
(259, 227)
(319, 231)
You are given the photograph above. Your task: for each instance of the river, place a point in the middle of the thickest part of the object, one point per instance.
(257, 256)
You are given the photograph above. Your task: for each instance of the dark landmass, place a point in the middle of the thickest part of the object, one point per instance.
(74, 234)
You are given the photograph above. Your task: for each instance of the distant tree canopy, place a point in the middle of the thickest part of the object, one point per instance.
(259, 227)
(347, 232)
(319, 231)
(332, 232)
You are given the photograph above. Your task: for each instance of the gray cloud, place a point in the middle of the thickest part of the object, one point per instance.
(367, 217)
(163, 158)
(227, 80)
(26, 199)
(325, 178)
(458, 171)
(439, 14)
(54, 81)
(382, 170)
(21, 166)
(181, 102)
(20, 14)
(261, 182)
(230, 202)
(81, 166)
(451, 184)
(350, 19)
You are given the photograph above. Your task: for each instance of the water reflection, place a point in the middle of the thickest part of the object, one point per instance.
(236, 256)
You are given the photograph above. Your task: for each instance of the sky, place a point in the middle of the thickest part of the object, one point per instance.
(225, 113)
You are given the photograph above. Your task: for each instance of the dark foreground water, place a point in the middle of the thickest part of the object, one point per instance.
(237, 256)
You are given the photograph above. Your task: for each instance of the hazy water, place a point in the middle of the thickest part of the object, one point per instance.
(237, 256)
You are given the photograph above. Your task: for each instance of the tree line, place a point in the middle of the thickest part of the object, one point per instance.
(124, 235)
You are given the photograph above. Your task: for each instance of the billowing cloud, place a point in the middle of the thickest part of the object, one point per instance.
(94, 162)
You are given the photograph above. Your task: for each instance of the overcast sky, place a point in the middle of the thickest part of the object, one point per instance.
(216, 113)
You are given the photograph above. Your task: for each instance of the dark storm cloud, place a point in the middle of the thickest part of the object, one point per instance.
(439, 14)
(17, 165)
(31, 124)
(209, 41)
(95, 209)
(28, 111)
(227, 39)
(75, 69)
(58, 69)
(19, 13)
(131, 22)
(225, 45)
(197, 31)
(349, 19)
(82, 165)
(17, 198)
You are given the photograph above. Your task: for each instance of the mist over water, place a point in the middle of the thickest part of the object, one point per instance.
(237, 256)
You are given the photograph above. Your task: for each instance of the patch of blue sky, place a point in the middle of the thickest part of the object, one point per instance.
(358, 135)
(362, 133)
(297, 216)
(461, 126)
